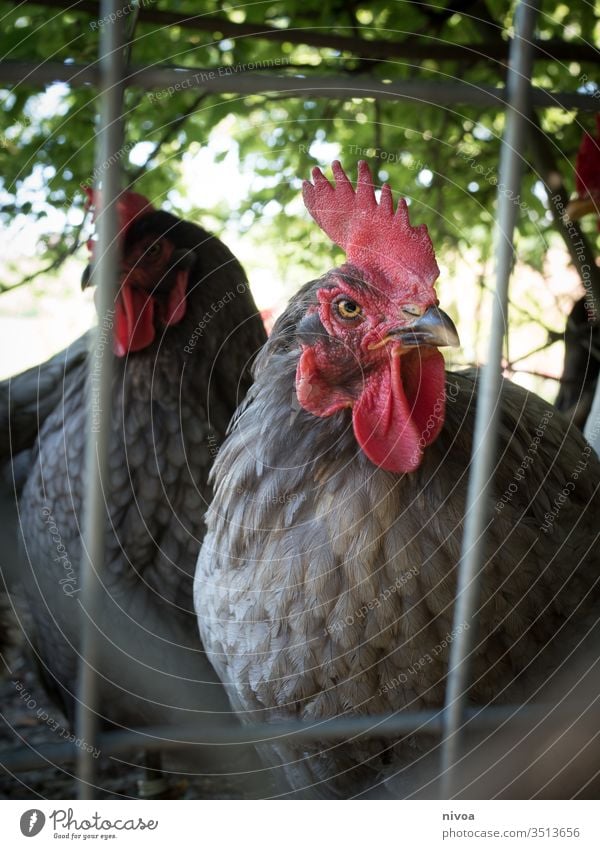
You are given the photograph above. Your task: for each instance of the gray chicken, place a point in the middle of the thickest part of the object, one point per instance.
(185, 329)
(326, 581)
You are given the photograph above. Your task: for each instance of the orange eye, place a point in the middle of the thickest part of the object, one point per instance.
(348, 310)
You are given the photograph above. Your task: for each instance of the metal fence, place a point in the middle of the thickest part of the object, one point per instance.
(111, 74)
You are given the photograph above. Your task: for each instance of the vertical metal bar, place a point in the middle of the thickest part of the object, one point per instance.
(109, 144)
(488, 401)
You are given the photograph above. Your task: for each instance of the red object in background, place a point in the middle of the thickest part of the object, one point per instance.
(130, 206)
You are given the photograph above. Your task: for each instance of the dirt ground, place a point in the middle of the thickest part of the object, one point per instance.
(23, 708)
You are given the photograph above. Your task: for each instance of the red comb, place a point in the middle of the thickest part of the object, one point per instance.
(371, 234)
(130, 206)
(588, 164)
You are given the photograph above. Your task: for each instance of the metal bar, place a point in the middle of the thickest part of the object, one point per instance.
(431, 47)
(132, 22)
(224, 81)
(488, 401)
(110, 142)
(335, 728)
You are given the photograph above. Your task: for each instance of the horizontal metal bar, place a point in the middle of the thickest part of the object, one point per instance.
(226, 81)
(401, 44)
(48, 755)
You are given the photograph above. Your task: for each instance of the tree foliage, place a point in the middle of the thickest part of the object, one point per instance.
(444, 159)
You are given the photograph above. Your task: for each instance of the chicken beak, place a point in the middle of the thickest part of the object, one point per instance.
(434, 327)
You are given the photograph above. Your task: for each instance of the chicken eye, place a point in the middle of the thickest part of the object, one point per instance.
(348, 310)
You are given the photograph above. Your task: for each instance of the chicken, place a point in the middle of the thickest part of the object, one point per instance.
(27, 399)
(7, 628)
(326, 581)
(185, 329)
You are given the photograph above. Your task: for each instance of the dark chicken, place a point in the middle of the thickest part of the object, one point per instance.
(326, 581)
(581, 365)
(26, 400)
(185, 329)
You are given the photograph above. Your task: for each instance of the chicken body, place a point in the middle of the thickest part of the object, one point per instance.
(581, 366)
(326, 585)
(172, 399)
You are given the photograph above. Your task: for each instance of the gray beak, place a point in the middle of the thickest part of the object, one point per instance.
(434, 327)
